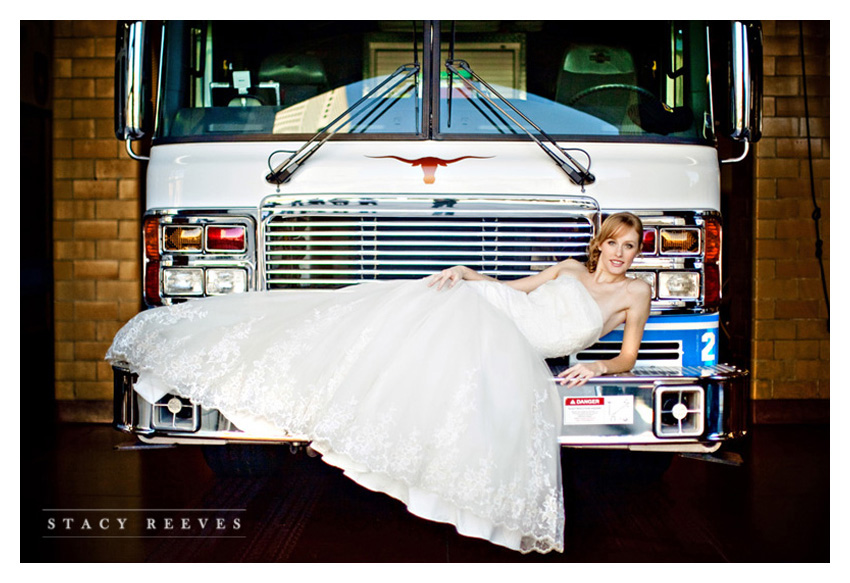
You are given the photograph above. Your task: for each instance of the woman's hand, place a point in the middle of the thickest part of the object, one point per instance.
(449, 276)
(579, 374)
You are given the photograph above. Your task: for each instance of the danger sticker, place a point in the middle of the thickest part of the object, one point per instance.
(610, 410)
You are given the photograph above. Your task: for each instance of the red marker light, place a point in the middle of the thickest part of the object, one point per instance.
(648, 243)
(220, 238)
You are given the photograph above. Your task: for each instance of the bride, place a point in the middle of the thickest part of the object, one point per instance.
(433, 391)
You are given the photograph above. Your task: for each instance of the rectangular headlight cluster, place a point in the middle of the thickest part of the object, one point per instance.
(672, 242)
(196, 281)
(200, 281)
(194, 255)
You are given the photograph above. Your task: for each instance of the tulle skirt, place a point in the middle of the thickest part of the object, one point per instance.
(433, 397)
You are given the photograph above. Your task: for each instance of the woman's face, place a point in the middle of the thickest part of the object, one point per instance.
(618, 251)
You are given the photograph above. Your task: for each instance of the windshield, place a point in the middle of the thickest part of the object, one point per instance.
(288, 80)
(598, 78)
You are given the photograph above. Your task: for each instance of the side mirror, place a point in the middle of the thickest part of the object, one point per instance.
(132, 84)
(746, 82)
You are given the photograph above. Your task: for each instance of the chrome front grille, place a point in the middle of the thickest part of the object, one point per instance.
(332, 242)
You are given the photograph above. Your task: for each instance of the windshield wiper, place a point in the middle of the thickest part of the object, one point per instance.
(285, 170)
(577, 173)
(365, 123)
(414, 87)
(480, 109)
(497, 121)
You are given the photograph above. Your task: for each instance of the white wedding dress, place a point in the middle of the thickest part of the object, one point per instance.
(441, 399)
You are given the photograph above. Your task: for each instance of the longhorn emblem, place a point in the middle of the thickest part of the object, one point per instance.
(429, 164)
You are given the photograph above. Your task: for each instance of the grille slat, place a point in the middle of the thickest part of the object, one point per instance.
(490, 223)
(387, 270)
(392, 240)
(405, 259)
(652, 352)
(281, 255)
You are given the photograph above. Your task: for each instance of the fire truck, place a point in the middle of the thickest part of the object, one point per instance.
(298, 155)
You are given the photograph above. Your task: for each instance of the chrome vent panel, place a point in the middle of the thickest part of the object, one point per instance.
(336, 241)
(650, 353)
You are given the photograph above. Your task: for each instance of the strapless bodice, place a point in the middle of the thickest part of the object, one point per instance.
(558, 318)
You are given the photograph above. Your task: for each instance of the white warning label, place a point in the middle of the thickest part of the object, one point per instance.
(609, 410)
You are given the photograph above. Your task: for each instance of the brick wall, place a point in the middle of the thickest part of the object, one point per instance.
(790, 337)
(96, 212)
(97, 217)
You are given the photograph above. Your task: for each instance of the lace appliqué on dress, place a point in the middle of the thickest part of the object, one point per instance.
(440, 399)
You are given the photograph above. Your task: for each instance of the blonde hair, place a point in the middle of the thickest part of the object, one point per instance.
(610, 227)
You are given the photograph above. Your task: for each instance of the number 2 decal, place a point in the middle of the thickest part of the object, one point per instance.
(708, 350)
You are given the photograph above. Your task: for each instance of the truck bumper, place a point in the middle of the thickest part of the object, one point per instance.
(682, 409)
(664, 409)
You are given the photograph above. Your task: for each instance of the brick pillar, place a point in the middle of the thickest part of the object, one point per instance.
(96, 216)
(790, 337)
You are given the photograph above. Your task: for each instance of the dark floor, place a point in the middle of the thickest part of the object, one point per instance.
(82, 500)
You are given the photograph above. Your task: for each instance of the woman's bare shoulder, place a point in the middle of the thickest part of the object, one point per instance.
(571, 266)
(639, 292)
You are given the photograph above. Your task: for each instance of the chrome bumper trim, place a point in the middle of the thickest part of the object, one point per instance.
(723, 413)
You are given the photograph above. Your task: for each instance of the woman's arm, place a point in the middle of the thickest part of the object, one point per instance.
(452, 275)
(637, 314)
(527, 284)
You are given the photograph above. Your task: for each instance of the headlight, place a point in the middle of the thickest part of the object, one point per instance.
(226, 281)
(647, 276)
(678, 284)
(183, 282)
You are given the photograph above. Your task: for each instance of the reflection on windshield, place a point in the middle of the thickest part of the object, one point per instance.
(383, 95)
(471, 114)
(392, 113)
